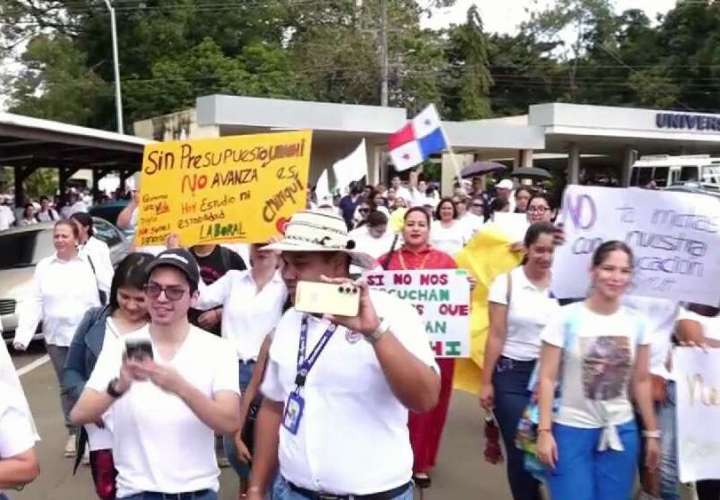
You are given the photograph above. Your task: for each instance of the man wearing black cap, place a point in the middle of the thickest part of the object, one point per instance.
(168, 387)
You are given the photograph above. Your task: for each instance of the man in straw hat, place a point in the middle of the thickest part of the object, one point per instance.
(338, 389)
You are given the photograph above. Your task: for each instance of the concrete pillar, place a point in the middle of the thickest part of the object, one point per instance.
(375, 153)
(573, 172)
(526, 157)
(629, 157)
(447, 170)
(21, 173)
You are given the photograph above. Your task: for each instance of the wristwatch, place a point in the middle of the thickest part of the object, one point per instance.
(114, 393)
(383, 329)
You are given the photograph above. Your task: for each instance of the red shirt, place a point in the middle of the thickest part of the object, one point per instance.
(426, 258)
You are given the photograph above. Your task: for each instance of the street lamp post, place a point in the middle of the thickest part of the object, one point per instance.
(116, 67)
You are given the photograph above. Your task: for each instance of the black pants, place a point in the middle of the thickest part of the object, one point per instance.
(708, 490)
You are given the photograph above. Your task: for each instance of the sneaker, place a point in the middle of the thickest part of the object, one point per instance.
(86, 457)
(70, 450)
(223, 462)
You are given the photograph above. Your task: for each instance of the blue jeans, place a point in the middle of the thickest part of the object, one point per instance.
(206, 495)
(242, 469)
(510, 382)
(669, 483)
(282, 491)
(584, 473)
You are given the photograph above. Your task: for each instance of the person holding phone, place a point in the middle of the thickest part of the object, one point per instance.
(337, 389)
(125, 313)
(417, 253)
(168, 394)
(63, 289)
(598, 350)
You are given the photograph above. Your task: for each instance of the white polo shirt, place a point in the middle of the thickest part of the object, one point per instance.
(247, 316)
(353, 435)
(531, 308)
(159, 444)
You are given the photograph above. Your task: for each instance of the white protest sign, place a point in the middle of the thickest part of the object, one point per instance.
(697, 379)
(674, 237)
(513, 225)
(442, 297)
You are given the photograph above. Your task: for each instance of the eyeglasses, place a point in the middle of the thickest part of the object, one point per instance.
(538, 210)
(173, 293)
(478, 205)
(364, 210)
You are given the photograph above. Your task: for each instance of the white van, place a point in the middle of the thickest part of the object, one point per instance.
(666, 171)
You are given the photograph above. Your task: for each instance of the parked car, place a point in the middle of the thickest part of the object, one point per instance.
(110, 211)
(22, 248)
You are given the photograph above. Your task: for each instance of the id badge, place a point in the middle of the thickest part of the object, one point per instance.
(293, 412)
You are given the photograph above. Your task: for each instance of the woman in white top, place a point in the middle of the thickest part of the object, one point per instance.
(448, 234)
(590, 443)
(373, 238)
(96, 251)
(125, 313)
(18, 462)
(63, 289)
(28, 217)
(520, 304)
(252, 304)
(700, 325)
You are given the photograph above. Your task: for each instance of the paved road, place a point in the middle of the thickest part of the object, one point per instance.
(461, 473)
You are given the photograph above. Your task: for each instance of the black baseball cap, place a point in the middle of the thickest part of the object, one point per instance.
(180, 259)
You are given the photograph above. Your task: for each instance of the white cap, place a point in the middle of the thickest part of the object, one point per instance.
(505, 184)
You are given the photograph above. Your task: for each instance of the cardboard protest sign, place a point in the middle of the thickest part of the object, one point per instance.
(240, 188)
(674, 237)
(697, 379)
(441, 297)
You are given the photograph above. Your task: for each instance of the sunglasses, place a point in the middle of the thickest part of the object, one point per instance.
(478, 205)
(173, 293)
(364, 210)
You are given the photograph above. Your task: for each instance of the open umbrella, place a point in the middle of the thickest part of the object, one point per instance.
(531, 172)
(481, 168)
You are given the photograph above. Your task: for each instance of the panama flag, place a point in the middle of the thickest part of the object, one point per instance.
(417, 140)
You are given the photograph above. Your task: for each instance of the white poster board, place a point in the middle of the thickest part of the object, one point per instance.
(697, 379)
(442, 298)
(674, 236)
(513, 225)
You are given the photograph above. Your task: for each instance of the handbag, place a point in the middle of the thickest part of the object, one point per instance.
(101, 294)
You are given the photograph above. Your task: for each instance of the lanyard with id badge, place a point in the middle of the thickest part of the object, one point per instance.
(296, 403)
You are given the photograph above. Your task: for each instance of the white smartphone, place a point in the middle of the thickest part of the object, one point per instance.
(327, 298)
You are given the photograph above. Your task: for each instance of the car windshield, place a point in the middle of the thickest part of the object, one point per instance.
(25, 248)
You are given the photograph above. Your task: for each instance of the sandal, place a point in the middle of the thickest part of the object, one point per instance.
(422, 480)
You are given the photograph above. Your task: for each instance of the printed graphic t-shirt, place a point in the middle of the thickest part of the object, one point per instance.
(597, 364)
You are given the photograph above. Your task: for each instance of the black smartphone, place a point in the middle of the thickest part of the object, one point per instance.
(138, 349)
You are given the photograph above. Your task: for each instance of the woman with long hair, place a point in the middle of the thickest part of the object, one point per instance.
(94, 250)
(251, 306)
(417, 253)
(125, 313)
(599, 351)
(63, 289)
(520, 305)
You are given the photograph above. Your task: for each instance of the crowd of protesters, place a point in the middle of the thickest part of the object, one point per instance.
(176, 348)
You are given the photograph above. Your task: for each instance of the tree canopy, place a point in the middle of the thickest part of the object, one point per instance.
(172, 51)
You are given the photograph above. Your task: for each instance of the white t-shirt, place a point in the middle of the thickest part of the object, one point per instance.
(473, 223)
(530, 310)
(159, 444)
(351, 416)
(449, 239)
(374, 247)
(598, 359)
(659, 315)
(710, 324)
(17, 434)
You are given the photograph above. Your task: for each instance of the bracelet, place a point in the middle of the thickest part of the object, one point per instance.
(656, 434)
(544, 429)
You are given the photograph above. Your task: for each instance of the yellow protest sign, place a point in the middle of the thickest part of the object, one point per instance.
(240, 188)
(486, 257)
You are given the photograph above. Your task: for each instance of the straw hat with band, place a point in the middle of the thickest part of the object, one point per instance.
(320, 231)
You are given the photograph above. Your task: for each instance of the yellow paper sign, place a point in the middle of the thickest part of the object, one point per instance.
(240, 188)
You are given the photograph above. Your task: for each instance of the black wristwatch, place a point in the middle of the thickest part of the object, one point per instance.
(114, 393)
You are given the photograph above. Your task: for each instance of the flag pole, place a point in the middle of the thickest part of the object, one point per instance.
(453, 159)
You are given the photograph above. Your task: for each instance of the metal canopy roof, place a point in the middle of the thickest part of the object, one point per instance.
(33, 142)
